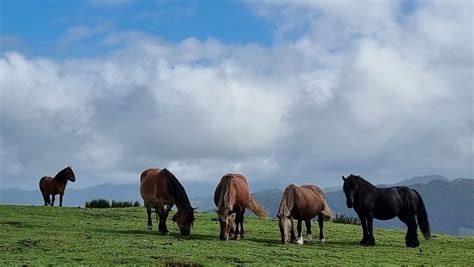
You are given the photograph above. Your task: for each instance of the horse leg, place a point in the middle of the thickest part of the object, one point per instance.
(52, 199)
(148, 212)
(160, 212)
(308, 237)
(242, 231)
(61, 200)
(321, 224)
(411, 237)
(365, 236)
(292, 232)
(299, 228)
(237, 224)
(370, 228)
(46, 199)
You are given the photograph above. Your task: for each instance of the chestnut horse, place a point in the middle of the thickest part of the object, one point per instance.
(57, 185)
(232, 195)
(160, 188)
(302, 203)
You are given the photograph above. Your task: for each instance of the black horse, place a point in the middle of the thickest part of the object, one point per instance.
(371, 202)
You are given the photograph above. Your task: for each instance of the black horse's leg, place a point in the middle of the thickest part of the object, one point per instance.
(370, 230)
(321, 224)
(149, 224)
(52, 199)
(365, 236)
(308, 238)
(292, 232)
(61, 200)
(411, 237)
(299, 228)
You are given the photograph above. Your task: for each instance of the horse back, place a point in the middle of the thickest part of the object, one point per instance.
(387, 203)
(236, 188)
(154, 188)
(309, 201)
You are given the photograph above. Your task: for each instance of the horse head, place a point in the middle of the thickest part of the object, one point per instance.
(70, 174)
(225, 222)
(284, 222)
(184, 218)
(349, 187)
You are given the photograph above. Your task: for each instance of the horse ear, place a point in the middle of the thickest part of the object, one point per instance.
(343, 178)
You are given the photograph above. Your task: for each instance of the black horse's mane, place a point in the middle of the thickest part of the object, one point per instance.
(177, 189)
(62, 175)
(362, 184)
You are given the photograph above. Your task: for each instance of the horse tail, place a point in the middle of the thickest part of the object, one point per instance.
(326, 212)
(257, 209)
(422, 217)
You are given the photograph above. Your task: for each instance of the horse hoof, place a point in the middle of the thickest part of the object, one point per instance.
(322, 241)
(149, 228)
(300, 241)
(308, 239)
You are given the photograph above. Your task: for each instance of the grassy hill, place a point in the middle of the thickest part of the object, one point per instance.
(52, 235)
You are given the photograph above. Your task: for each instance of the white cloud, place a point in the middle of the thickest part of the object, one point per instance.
(358, 88)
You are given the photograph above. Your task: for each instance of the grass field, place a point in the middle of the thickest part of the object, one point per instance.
(52, 235)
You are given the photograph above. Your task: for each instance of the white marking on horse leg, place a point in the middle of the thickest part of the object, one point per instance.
(322, 241)
(308, 238)
(300, 240)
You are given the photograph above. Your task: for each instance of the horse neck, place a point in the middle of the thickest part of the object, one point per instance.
(284, 208)
(365, 186)
(225, 193)
(60, 179)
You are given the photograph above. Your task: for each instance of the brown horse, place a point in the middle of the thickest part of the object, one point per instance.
(160, 188)
(232, 195)
(302, 203)
(57, 185)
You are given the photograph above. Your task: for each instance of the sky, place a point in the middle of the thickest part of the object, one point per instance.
(280, 91)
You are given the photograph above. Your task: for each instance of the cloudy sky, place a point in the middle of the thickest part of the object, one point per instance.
(281, 91)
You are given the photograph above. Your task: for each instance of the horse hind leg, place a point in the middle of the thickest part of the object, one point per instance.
(148, 212)
(308, 237)
(299, 228)
(411, 237)
(46, 199)
(321, 226)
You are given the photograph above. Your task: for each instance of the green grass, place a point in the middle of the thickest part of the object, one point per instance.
(52, 235)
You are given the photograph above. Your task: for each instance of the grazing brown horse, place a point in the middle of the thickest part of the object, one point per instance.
(57, 185)
(302, 203)
(232, 195)
(160, 188)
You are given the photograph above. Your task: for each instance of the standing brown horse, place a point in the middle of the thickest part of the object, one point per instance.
(57, 185)
(160, 188)
(302, 203)
(232, 195)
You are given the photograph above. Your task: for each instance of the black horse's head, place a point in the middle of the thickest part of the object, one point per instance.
(67, 174)
(349, 187)
(184, 218)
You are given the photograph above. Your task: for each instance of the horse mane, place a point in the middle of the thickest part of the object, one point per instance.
(287, 201)
(362, 184)
(176, 189)
(225, 190)
(62, 175)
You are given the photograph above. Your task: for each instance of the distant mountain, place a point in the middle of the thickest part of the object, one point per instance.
(421, 180)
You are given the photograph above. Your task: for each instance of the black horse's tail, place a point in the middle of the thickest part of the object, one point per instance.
(422, 217)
